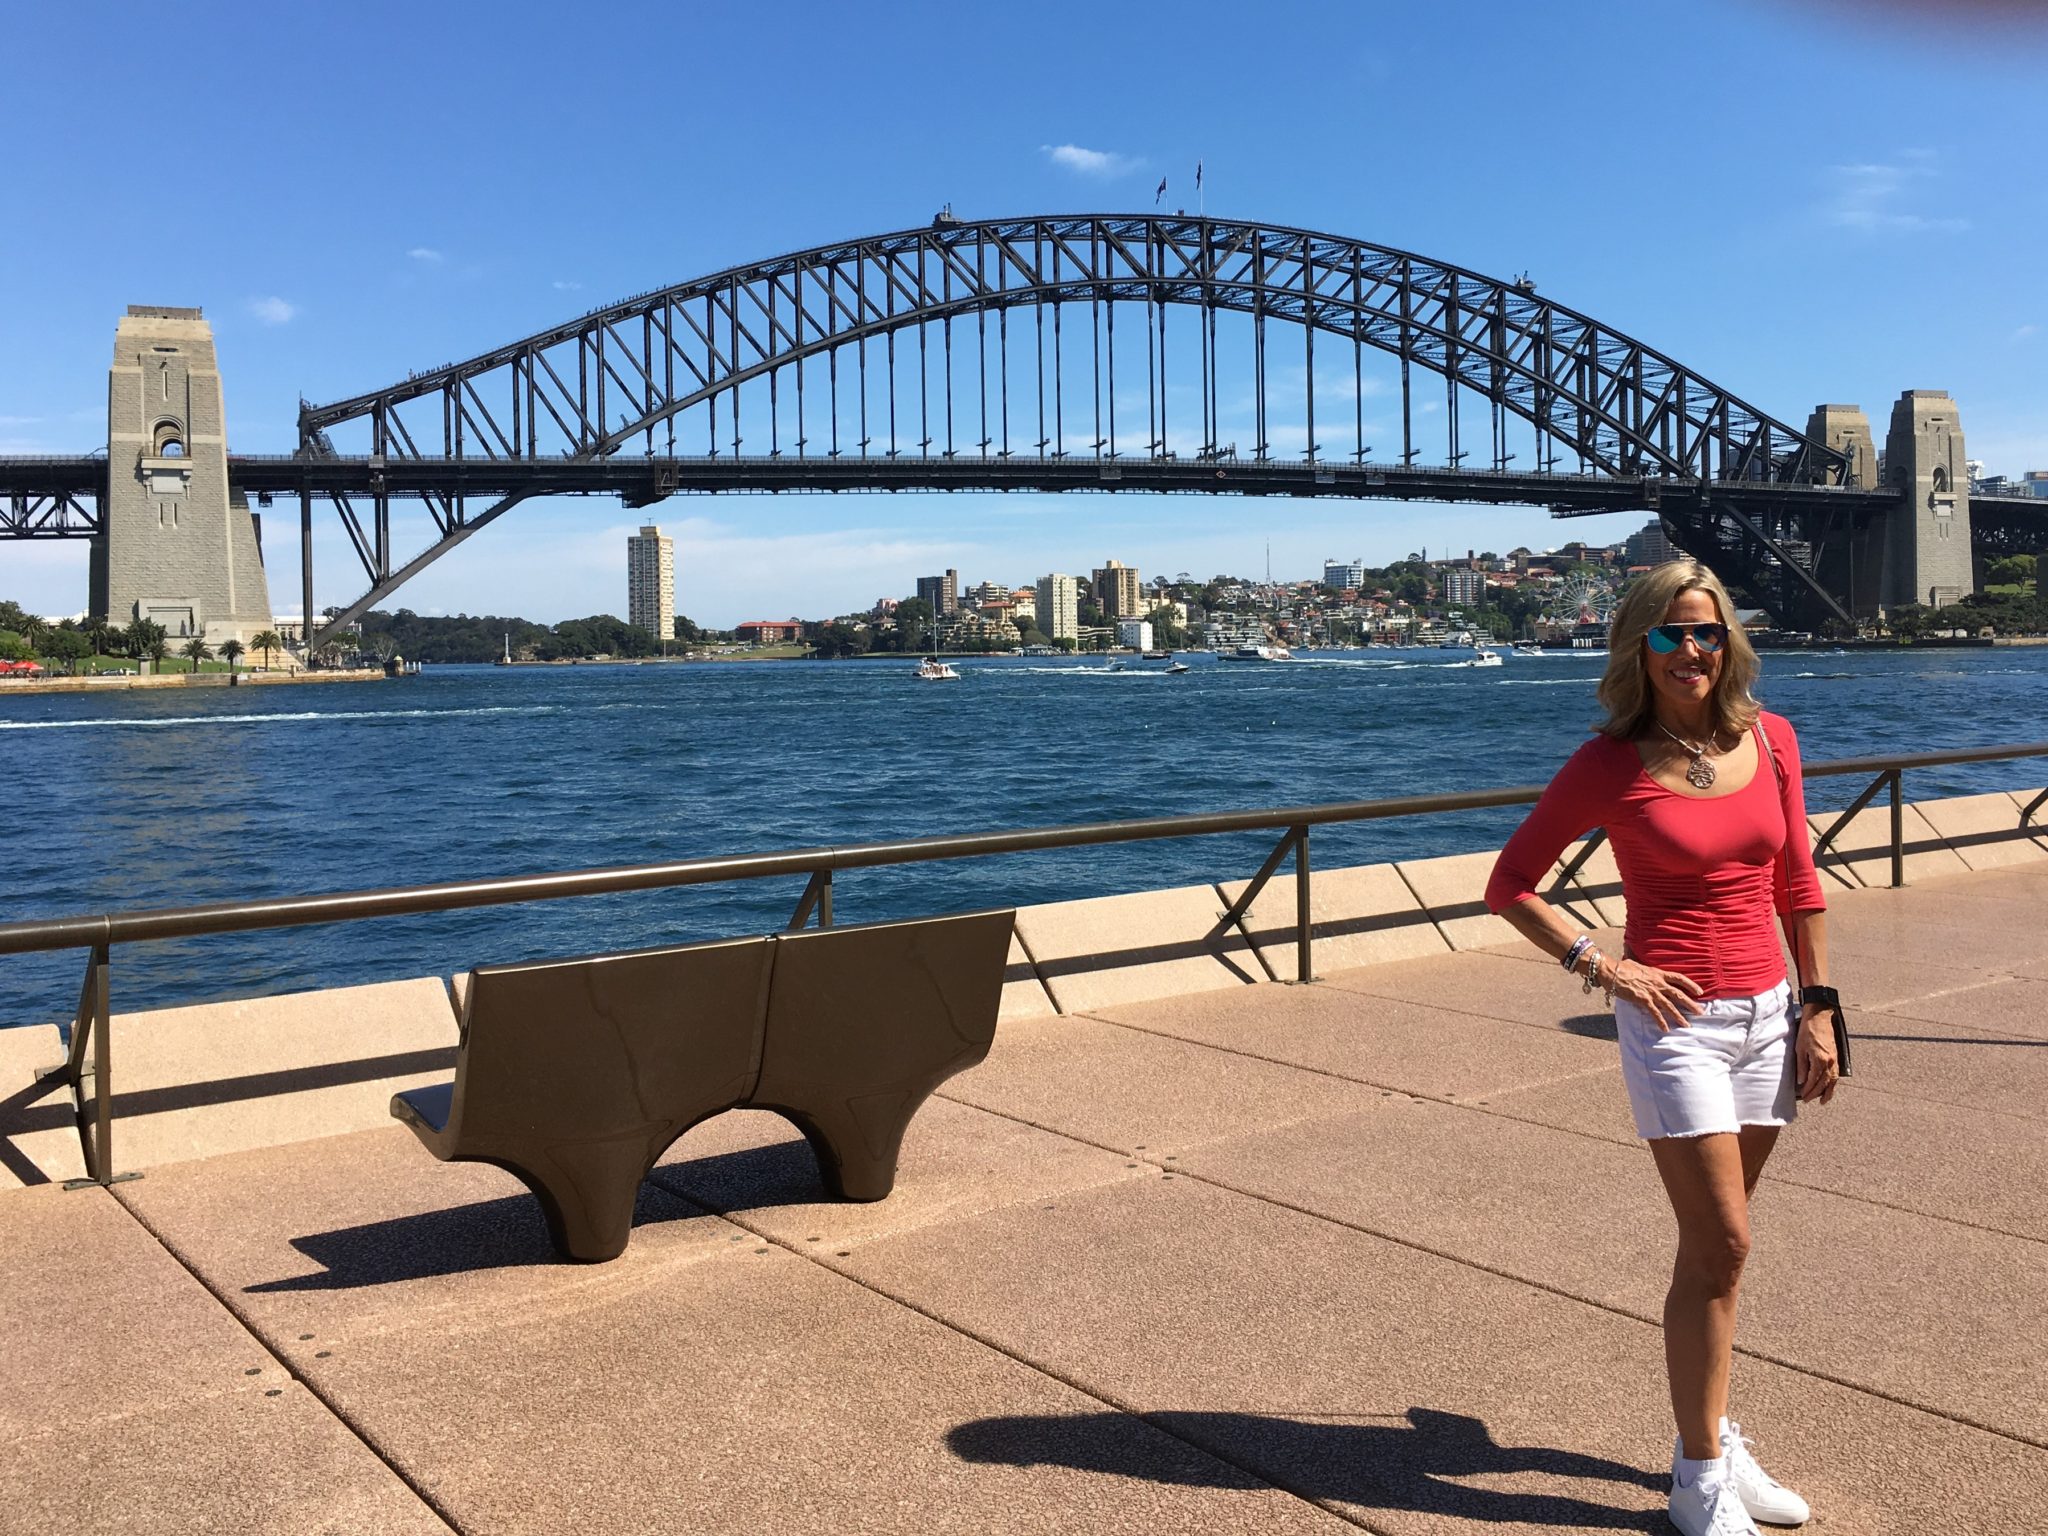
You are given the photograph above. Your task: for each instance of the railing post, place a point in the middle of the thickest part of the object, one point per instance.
(825, 898)
(101, 1168)
(1897, 779)
(1304, 964)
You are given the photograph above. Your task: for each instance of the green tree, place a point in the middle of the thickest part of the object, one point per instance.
(914, 619)
(267, 641)
(33, 627)
(231, 652)
(97, 630)
(67, 645)
(146, 640)
(197, 650)
(836, 640)
(12, 617)
(13, 647)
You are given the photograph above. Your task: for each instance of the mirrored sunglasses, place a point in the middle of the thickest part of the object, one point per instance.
(1666, 638)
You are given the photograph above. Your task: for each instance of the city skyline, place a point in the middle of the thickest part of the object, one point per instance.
(1890, 254)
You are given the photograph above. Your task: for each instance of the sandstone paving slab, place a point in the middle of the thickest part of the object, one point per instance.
(2004, 1073)
(1024, 995)
(1897, 1302)
(1491, 984)
(38, 1133)
(1952, 929)
(1126, 1088)
(316, 1244)
(957, 1161)
(761, 1392)
(246, 1462)
(1453, 889)
(1873, 977)
(100, 1321)
(1984, 830)
(1361, 915)
(1381, 1041)
(1862, 850)
(224, 1077)
(2010, 1006)
(1109, 949)
(1408, 1392)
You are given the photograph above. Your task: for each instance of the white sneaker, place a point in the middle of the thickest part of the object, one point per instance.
(1710, 1506)
(1762, 1495)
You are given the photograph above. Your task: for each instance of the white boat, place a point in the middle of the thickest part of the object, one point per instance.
(1487, 659)
(933, 670)
(1179, 666)
(1259, 653)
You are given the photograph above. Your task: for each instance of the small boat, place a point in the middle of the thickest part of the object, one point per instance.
(1157, 655)
(1259, 653)
(1179, 666)
(1487, 659)
(1116, 666)
(933, 670)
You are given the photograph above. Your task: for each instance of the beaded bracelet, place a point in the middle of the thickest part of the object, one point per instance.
(1592, 970)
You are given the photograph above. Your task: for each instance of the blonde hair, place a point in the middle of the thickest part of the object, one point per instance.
(1625, 687)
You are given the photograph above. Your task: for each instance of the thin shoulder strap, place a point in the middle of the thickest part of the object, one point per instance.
(1764, 736)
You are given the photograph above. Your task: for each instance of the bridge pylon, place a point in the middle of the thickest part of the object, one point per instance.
(1928, 559)
(176, 545)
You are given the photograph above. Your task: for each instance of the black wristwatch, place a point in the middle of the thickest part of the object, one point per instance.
(1825, 997)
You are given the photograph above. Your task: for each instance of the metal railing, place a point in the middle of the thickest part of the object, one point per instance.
(90, 1083)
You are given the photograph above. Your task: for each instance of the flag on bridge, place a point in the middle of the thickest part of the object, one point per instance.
(1160, 193)
(1198, 175)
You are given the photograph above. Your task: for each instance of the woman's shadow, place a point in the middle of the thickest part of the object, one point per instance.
(1409, 1463)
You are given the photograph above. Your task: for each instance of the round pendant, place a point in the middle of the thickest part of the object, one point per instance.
(1701, 774)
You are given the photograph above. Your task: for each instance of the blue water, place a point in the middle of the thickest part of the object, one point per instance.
(153, 799)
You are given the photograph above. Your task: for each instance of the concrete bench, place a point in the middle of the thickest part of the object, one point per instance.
(576, 1075)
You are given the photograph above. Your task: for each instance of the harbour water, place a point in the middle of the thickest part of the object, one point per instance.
(151, 800)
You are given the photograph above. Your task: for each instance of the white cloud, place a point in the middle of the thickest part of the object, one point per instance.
(1102, 164)
(561, 285)
(431, 257)
(273, 310)
(1875, 198)
(2020, 334)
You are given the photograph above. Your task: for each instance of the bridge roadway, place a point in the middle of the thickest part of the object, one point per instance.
(1200, 1252)
(642, 481)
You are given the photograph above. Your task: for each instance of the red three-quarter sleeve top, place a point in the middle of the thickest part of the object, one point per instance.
(1702, 877)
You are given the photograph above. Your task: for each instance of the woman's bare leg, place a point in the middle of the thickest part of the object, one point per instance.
(1707, 1179)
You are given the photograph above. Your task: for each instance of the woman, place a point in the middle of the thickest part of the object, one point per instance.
(1698, 789)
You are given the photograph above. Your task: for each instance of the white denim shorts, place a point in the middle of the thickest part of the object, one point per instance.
(1728, 1066)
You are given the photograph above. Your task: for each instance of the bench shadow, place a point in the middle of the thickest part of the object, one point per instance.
(1405, 1463)
(508, 1232)
(490, 1234)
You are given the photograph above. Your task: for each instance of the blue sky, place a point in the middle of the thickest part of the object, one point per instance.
(1803, 201)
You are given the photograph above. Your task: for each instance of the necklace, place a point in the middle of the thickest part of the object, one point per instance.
(1700, 774)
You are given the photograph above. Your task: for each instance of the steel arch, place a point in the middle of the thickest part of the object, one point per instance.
(624, 377)
(1621, 406)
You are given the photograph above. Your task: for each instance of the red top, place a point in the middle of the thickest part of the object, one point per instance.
(1701, 876)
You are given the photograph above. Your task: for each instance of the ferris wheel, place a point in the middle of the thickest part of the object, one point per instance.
(1582, 599)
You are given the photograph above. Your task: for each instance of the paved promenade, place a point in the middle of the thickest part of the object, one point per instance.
(1375, 1253)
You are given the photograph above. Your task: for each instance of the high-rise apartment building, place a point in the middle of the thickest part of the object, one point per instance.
(942, 592)
(1059, 607)
(1344, 573)
(651, 582)
(1652, 546)
(1116, 589)
(1465, 588)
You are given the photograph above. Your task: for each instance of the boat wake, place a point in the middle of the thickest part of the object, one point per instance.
(161, 722)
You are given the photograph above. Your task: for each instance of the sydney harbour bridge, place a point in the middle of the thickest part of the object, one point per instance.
(1165, 354)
